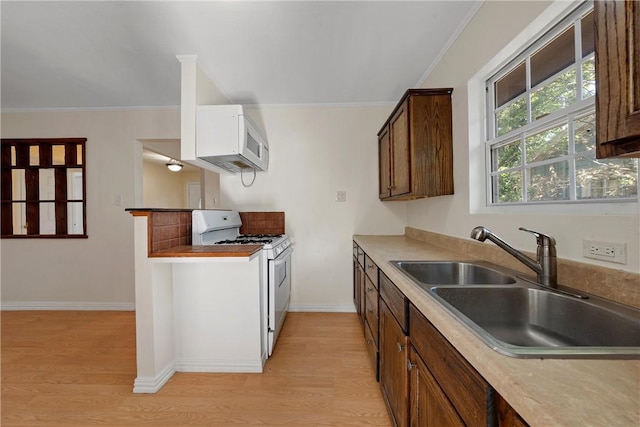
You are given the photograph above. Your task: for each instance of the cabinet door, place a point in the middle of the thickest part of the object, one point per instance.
(507, 416)
(429, 405)
(617, 78)
(358, 290)
(384, 163)
(400, 151)
(394, 376)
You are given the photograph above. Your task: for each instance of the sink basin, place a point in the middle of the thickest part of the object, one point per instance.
(433, 273)
(527, 322)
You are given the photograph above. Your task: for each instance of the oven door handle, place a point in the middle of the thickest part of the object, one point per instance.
(283, 256)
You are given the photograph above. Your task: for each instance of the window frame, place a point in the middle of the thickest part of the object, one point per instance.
(581, 107)
(32, 204)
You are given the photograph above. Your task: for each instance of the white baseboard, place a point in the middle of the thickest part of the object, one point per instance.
(213, 365)
(153, 384)
(82, 306)
(323, 308)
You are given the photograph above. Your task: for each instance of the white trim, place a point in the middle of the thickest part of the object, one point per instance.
(153, 384)
(222, 365)
(463, 24)
(72, 306)
(177, 107)
(479, 162)
(325, 105)
(88, 109)
(323, 308)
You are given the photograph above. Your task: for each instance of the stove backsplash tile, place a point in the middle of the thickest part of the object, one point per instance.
(170, 229)
(262, 222)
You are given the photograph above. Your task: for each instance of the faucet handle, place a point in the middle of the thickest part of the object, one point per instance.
(541, 238)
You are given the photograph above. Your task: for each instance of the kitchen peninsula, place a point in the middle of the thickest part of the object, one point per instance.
(198, 309)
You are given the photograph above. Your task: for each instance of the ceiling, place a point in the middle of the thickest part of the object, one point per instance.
(110, 54)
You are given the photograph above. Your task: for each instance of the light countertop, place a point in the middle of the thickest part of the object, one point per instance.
(545, 392)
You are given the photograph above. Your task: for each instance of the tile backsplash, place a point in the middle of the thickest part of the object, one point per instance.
(262, 222)
(170, 229)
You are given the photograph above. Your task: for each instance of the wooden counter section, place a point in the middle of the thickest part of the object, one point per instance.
(208, 251)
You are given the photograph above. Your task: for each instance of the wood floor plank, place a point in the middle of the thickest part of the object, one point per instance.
(76, 368)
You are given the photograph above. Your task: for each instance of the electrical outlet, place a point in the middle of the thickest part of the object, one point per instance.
(605, 251)
(341, 196)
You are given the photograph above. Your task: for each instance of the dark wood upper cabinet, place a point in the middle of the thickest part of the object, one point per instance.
(415, 147)
(617, 29)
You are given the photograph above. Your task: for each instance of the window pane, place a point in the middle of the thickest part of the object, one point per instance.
(74, 218)
(47, 218)
(507, 187)
(74, 184)
(554, 57)
(606, 178)
(587, 27)
(588, 79)
(19, 218)
(511, 85)
(548, 182)
(18, 189)
(555, 95)
(508, 156)
(511, 117)
(47, 184)
(34, 155)
(58, 155)
(547, 144)
(585, 133)
(13, 155)
(79, 154)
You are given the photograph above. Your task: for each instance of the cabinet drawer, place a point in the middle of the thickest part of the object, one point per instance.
(396, 301)
(371, 308)
(371, 269)
(470, 394)
(372, 350)
(360, 255)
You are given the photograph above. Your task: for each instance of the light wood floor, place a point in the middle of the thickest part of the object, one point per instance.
(77, 369)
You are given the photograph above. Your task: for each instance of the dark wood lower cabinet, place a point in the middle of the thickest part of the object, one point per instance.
(425, 381)
(394, 375)
(507, 416)
(430, 407)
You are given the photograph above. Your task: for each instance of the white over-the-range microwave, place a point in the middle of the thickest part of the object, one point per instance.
(228, 140)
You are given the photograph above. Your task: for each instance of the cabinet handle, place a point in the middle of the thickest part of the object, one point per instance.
(369, 289)
(370, 311)
(370, 342)
(410, 365)
(400, 347)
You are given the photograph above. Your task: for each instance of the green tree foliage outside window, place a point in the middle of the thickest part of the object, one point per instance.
(543, 143)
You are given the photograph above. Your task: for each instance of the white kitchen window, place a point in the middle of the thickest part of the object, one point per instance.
(541, 124)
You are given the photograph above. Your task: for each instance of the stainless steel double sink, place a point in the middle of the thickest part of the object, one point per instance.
(519, 318)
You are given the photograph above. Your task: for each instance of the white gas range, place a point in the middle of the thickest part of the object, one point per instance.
(216, 227)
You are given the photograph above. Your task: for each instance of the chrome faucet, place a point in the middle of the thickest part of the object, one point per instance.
(545, 267)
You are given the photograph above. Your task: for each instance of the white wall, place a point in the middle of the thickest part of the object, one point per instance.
(98, 271)
(456, 215)
(315, 152)
(165, 189)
